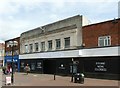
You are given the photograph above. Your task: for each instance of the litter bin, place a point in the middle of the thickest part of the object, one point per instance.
(79, 78)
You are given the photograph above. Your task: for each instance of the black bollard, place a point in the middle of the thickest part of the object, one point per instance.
(54, 76)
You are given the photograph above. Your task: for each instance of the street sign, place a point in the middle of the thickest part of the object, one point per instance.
(8, 80)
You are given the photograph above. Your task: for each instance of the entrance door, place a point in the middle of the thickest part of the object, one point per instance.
(49, 66)
(73, 69)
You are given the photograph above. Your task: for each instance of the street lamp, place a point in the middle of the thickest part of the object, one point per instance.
(12, 44)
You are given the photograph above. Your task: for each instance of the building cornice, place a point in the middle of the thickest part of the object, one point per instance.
(39, 34)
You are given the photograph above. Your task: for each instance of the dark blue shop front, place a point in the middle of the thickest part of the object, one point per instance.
(8, 60)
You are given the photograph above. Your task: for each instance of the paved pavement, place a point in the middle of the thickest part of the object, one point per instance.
(0, 78)
(21, 79)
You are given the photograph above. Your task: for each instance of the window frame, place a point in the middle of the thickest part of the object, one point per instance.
(31, 48)
(58, 43)
(106, 41)
(43, 46)
(65, 40)
(26, 48)
(50, 45)
(36, 47)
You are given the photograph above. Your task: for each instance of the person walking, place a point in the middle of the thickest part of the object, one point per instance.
(4, 70)
(27, 69)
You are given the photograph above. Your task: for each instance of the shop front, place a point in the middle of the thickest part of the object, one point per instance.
(102, 67)
(101, 62)
(36, 65)
(16, 62)
(60, 66)
(49, 62)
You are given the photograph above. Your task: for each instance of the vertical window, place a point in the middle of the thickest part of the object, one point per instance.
(104, 41)
(58, 44)
(42, 46)
(22, 64)
(36, 47)
(67, 42)
(31, 48)
(50, 45)
(26, 48)
(33, 66)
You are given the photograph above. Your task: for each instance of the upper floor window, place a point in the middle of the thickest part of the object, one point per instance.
(36, 46)
(58, 44)
(67, 42)
(50, 45)
(31, 48)
(104, 41)
(42, 46)
(26, 48)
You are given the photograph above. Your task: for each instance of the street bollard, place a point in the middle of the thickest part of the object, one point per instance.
(54, 76)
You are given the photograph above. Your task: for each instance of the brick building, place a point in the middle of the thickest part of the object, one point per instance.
(8, 52)
(101, 55)
(94, 31)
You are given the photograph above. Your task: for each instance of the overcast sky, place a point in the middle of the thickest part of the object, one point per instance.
(17, 16)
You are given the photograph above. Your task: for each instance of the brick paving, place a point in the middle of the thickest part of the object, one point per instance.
(21, 79)
(0, 78)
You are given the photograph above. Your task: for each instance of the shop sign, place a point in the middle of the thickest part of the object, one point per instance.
(22, 64)
(39, 65)
(100, 66)
(61, 66)
(8, 80)
(10, 60)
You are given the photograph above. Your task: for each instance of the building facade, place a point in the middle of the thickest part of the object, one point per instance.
(66, 46)
(2, 48)
(101, 55)
(15, 48)
(51, 48)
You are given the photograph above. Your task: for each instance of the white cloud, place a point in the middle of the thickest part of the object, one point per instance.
(17, 16)
(11, 29)
(6, 8)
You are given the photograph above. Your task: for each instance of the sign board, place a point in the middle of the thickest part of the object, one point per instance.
(100, 66)
(8, 80)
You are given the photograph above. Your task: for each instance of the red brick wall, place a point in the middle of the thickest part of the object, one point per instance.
(92, 32)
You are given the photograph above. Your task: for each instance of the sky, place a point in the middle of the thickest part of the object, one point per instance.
(18, 16)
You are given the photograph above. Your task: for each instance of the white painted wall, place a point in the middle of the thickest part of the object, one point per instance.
(75, 34)
(96, 52)
(108, 51)
(58, 54)
(85, 21)
(53, 37)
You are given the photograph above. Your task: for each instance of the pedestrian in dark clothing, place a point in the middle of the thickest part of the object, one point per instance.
(4, 70)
